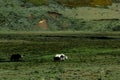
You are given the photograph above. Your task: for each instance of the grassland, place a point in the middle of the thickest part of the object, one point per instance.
(92, 56)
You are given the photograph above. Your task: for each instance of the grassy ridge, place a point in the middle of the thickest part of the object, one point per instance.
(89, 58)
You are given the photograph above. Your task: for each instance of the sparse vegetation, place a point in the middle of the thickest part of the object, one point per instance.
(19, 15)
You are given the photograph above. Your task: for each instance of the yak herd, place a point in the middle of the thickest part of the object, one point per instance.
(57, 57)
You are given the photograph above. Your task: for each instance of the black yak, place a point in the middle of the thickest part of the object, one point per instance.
(15, 57)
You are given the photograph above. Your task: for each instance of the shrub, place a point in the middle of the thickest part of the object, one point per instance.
(38, 2)
(116, 28)
(74, 3)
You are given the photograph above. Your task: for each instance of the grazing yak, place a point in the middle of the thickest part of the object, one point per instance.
(15, 57)
(60, 57)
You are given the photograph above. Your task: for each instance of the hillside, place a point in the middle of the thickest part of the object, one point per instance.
(88, 13)
(19, 15)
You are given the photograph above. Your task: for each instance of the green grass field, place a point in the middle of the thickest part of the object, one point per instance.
(91, 56)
